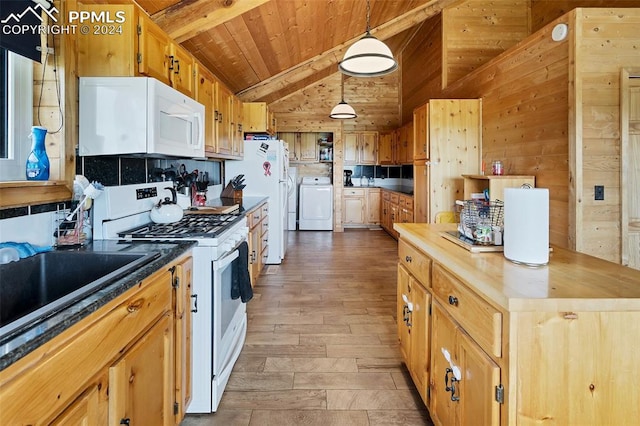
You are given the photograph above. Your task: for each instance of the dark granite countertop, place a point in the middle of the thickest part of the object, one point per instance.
(30, 337)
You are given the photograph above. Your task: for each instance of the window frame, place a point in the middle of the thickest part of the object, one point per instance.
(19, 117)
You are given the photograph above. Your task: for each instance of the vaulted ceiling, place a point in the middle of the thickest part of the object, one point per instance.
(265, 50)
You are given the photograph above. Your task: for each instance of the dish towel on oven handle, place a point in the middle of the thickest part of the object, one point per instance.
(241, 281)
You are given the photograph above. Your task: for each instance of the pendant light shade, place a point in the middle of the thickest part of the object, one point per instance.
(342, 111)
(368, 57)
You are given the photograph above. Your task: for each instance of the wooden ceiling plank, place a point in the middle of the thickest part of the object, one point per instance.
(183, 22)
(331, 57)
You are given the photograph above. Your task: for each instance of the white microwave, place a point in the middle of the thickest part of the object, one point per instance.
(138, 115)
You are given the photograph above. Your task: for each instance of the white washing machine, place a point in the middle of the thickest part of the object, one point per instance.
(316, 204)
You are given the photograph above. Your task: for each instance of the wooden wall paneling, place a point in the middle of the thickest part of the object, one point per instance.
(476, 31)
(421, 66)
(606, 42)
(525, 117)
(545, 11)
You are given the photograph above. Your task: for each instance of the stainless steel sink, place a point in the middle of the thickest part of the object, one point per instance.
(38, 286)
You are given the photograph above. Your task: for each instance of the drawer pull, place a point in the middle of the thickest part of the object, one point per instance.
(408, 259)
(453, 300)
(451, 388)
(126, 421)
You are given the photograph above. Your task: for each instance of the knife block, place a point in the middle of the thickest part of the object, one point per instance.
(234, 194)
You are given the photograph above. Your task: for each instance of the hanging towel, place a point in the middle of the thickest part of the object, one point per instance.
(25, 249)
(241, 281)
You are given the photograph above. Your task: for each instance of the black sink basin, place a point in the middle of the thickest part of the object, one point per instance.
(39, 285)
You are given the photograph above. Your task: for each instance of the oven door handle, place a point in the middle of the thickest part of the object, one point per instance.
(222, 263)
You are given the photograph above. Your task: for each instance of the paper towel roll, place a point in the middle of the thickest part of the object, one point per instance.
(526, 225)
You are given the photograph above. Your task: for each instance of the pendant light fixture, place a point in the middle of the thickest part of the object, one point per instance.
(368, 57)
(342, 111)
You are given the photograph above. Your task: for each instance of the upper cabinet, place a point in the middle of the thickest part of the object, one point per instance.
(360, 148)
(258, 118)
(141, 48)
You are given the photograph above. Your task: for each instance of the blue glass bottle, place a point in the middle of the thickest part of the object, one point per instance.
(38, 161)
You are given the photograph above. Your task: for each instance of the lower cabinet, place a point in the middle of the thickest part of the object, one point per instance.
(464, 378)
(360, 207)
(140, 383)
(457, 380)
(413, 329)
(395, 208)
(258, 240)
(124, 361)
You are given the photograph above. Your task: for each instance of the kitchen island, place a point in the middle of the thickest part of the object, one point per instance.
(488, 341)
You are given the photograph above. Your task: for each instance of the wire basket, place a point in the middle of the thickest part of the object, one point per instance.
(478, 219)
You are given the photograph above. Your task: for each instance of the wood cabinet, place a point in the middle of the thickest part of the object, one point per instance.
(258, 118)
(454, 144)
(420, 133)
(360, 206)
(140, 381)
(476, 184)
(117, 363)
(387, 148)
(413, 328)
(205, 94)
(309, 147)
(258, 219)
(141, 48)
(182, 278)
(395, 208)
(222, 114)
(508, 335)
(405, 144)
(237, 132)
(360, 148)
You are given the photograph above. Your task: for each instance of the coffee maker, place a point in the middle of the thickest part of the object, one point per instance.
(347, 178)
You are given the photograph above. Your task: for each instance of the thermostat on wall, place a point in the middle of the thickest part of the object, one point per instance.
(559, 32)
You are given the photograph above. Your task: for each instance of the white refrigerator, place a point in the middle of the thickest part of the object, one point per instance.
(266, 168)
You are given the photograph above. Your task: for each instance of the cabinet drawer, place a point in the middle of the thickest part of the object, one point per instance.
(386, 195)
(417, 263)
(265, 210)
(406, 202)
(264, 227)
(255, 216)
(354, 192)
(394, 198)
(479, 319)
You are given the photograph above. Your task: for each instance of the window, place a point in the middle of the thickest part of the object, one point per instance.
(17, 115)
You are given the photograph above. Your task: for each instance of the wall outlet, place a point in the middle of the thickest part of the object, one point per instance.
(599, 192)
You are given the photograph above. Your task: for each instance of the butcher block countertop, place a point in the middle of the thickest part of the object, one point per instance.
(570, 282)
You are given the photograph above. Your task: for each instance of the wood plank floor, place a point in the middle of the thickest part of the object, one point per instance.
(321, 345)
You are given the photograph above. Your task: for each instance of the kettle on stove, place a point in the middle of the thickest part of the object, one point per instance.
(167, 210)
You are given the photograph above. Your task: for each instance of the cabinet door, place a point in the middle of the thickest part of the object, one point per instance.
(444, 405)
(368, 147)
(373, 206)
(385, 149)
(419, 353)
(294, 146)
(351, 148)
(420, 133)
(204, 94)
(223, 106)
(181, 65)
(403, 315)
(237, 136)
(183, 285)
(308, 147)
(480, 376)
(83, 412)
(140, 385)
(421, 194)
(354, 210)
(153, 46)
(254, 252)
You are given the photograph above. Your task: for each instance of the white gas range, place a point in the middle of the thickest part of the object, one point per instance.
(219, 323)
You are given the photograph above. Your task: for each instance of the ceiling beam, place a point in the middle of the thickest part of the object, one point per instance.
(332, 56)
(185, 21)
